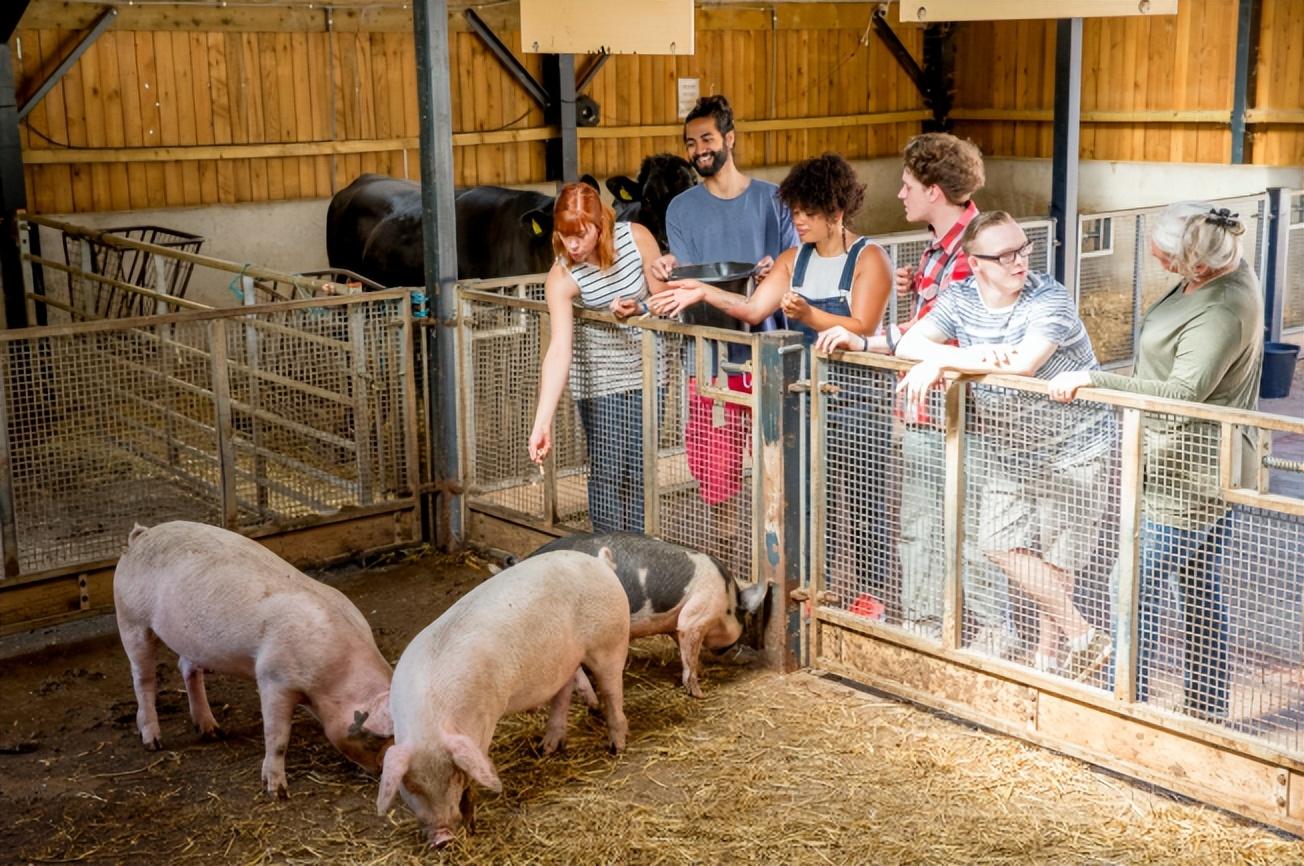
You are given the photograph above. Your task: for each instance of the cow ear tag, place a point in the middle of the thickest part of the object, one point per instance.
(538, 229)
(624, 194)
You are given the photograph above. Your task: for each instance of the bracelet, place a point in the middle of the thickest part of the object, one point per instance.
(864, 343)
(891, 343)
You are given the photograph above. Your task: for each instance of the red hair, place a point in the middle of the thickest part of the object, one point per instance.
(579, 206)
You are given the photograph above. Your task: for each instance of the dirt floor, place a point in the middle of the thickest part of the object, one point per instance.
(764, 769)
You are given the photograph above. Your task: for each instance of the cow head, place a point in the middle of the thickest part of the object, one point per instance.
(661, 177)
(538, 222)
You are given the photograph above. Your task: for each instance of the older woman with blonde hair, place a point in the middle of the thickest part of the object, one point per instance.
(1203, 342)
(601, 265)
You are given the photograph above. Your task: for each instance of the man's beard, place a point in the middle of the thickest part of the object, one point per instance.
(718, 159)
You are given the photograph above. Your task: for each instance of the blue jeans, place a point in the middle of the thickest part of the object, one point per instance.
(613, 428)
(1188, 560)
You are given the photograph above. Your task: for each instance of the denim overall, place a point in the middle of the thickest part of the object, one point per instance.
(837, 306)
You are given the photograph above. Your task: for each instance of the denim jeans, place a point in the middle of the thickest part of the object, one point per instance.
(613, 428)
(1189, 561)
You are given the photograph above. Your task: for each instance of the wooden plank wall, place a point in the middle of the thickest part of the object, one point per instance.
(178, 105)
(1165, 82)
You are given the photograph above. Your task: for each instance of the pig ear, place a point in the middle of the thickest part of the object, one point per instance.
(608, 557)
(472, 760)
(397, 761)
(753, 597)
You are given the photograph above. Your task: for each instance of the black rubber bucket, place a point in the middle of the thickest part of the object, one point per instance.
(730, 276)
(1278, 369)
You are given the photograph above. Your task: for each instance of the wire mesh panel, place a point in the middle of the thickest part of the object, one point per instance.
(706, 461)
(1293, 286)
(239, 419)
(862, 499)
(685, 448)
(1040, 495)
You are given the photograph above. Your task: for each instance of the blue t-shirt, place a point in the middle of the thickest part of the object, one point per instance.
(702, 229)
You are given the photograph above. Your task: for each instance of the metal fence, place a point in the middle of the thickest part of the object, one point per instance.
(1118, 279)
(256, 416)
(639, 440)
(1112, 550)
(1293, 285)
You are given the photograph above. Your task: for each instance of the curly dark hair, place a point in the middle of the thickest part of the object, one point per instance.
(715, 107)
(824, 184)
(954, 164)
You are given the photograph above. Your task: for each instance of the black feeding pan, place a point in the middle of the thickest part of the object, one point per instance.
(729, 276)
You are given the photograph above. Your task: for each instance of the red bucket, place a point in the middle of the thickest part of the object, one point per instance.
(868, 607)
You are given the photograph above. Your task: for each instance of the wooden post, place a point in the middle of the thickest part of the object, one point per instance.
(230, 510)
(1129, 556)
(777, 475)
(361, 387)
(818, 502)
(953, 515)
(550, 460)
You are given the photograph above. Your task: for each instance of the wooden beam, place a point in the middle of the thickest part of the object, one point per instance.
(1046, 115)
(929, 11)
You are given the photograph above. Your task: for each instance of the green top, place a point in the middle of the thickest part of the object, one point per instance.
(1206, 347)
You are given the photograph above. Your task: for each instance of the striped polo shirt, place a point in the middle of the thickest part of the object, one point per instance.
(1033, 427)
(607, 359)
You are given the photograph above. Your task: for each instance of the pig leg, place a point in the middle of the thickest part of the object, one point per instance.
(608, 669)
(200, 712)
(139, 642)
(554, 737)
(690, 651)
(585, 689)
(278, 712)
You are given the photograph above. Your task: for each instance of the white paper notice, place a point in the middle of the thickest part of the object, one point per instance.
(689, 89)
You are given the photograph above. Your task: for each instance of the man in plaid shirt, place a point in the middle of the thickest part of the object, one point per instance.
(940, 174)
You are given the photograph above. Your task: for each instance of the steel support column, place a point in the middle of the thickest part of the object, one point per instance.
(1247, 49)
(13, 197)
(563, 153)
(1064, 162)
(438, 222)
(1274, 280)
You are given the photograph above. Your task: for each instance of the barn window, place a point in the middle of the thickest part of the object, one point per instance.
(1097, 237)
(1297, 211)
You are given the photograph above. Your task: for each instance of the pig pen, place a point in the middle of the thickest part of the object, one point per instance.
(765, 768)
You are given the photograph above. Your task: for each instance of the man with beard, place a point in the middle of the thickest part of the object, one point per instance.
(729, 217)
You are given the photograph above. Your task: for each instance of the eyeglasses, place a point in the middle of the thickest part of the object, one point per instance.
(1008, 257)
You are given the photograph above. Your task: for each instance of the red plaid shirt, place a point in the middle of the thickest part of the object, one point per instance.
(942, 263)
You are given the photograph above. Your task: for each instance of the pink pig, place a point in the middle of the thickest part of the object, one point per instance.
(226, 604)
(512, 643)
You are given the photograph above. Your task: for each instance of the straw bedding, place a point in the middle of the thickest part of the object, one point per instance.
(764, 769)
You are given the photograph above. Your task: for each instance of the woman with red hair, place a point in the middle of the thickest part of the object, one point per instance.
(601, 265)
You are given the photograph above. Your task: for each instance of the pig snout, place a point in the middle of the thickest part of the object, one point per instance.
(440, 837)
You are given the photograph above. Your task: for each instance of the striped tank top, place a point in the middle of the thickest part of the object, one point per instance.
(607, 359)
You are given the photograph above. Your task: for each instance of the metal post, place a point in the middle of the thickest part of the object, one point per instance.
(13, 198)
(651, 434)
(1140, 249)
(777, 547)
(1064, 162)
(1247, 45)
(1277, 226)
(439, 224)
(8, 514)
(563, 154)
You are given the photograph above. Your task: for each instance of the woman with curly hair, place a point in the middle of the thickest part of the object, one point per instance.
(836, 277)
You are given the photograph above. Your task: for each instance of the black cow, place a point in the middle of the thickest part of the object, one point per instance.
(661, 177)
(373, 225)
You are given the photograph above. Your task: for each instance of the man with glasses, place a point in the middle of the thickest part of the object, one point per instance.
(1044, 472)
